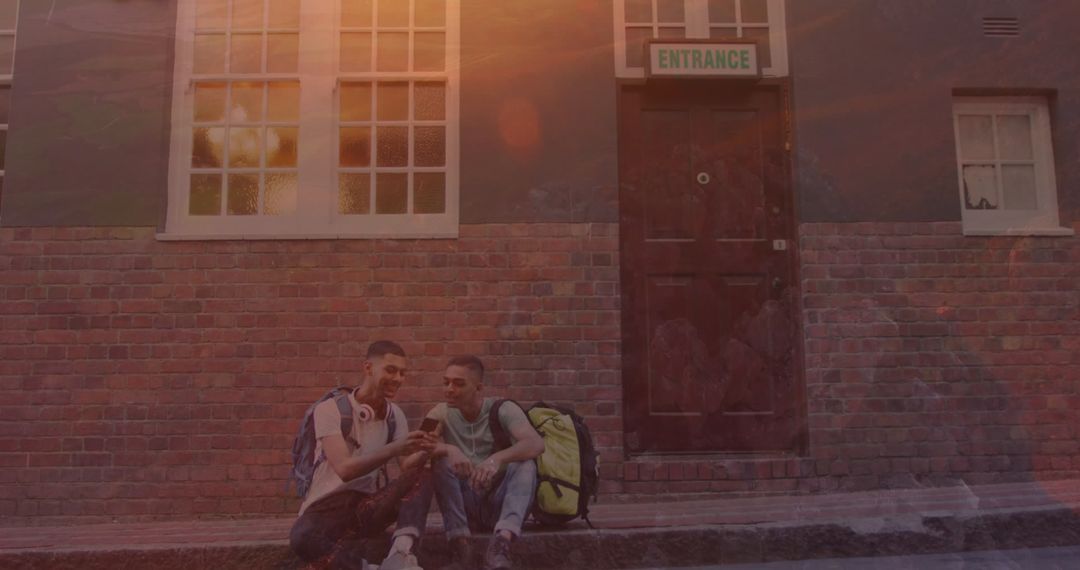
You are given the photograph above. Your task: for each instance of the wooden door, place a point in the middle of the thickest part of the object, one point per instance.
(709, 329)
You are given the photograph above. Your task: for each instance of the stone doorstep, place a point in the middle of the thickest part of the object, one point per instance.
(917, 521)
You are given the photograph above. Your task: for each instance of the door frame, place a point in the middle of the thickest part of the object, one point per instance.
(784, 88)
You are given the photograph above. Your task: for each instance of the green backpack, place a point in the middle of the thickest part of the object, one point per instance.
(567, 472)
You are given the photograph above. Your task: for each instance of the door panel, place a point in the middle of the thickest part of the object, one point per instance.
(677, 364)
(732, 152)
(673, 208)
(707, 313)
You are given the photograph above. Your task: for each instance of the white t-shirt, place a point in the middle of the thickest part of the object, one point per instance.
(371, 435)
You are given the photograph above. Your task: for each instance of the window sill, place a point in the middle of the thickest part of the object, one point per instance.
(1048, 232)
(300, 236)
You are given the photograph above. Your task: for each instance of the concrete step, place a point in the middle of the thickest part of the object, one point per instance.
(649, 535)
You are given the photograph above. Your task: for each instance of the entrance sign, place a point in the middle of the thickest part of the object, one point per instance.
(702, 59)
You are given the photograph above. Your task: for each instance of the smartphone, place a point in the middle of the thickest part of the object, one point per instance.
(429, 424)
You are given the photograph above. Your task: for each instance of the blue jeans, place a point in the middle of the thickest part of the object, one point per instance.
(412, 517)
(503, 507)
(336, 530)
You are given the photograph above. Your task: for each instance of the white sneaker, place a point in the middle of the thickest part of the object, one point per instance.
(398, 560)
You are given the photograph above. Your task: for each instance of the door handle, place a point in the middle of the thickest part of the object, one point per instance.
(777, 283)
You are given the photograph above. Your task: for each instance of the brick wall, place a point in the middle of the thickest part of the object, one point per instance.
(147, 378)
(933, 357)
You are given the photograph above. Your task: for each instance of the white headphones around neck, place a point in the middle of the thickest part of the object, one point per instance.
(365, 413)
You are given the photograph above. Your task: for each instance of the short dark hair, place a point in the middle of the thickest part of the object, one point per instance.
(468, 361)
(381, 348)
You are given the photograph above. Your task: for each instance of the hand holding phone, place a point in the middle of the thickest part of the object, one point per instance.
(429, 425)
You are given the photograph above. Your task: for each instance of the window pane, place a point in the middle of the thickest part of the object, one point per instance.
(354, 193)
(246, 54)
(211, 14)
(393, 52)
(355, 146)
(429, 193)
(245, 146)
(670, 11)
(281, 145)
(356, 52)
(976, 137)
(430, 52)
(430, 101)
(391, 193)
(208, 147)
(247, 14)
(7, 14)
(5, 103)
(7, 54)
(283, 101)
(243, 194)
(356, 13)
(205, 199)
(754, 12)
(356, 102)
(209, 53)
(1014, 137)
(761, 35)
(722, 11)
(3, 147)
(285, 14)
(280, 194)
(980, 187)
(638, 11)
(247, 103)
(393, 13)
(671, 32)
(430, 13)
(635, 45)
(430, 147)
(393, 102)
(392, 146)
(283, 53)
(210, 102)
(1018, 186)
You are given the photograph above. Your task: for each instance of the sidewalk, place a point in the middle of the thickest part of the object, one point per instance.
(916, 521)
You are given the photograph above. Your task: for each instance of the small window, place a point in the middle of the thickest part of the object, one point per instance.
(638, 21)
(295, 118)
(1005, 163)
(9, 15)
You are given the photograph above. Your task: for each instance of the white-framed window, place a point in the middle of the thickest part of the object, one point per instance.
(9, 16)
(638, 21)
(1005, 166)
(312, 118)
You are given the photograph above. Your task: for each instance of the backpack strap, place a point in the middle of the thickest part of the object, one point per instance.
(556, 483)
(383, 478)
(391, 423)
(341, 398)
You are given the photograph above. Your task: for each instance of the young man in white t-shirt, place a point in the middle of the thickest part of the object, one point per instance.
(343, 508)
(477, 485)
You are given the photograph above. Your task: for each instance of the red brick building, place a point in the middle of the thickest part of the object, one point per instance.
(844, 261)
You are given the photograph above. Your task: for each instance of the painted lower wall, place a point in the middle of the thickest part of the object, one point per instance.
(141, 378)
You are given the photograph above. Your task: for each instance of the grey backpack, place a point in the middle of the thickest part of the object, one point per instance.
(303, 452)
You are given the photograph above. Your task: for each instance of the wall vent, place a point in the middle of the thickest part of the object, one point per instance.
(1001, 27)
